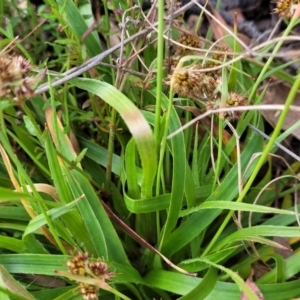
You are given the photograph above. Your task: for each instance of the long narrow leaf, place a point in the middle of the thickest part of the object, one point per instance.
(135, 121)
(54, 213)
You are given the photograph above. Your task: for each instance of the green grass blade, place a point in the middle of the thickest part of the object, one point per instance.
(181, 285)
(136, 123)
(12, 244)
(47, 264)
(54, 213)
(236, 206)
(196, 264)
(258, 231)
(14, 286)
(204, 288)
(131, 172)
(101, 231)
(78, 25)
(198, 221)
(147, 205)
(179, 169)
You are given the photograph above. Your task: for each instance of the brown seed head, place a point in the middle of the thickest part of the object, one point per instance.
(77, 265)
(88, 291)
(171, 62)
(189, 82)
(14, 76)
(286, 8)
(80, 265)
(233, 100)
(189, 40)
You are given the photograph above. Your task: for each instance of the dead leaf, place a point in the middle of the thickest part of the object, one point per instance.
(259, 269)
(217, 29)
(219, 32)
(277, 94)
(45, 281)
(254, 288)
(285, 253)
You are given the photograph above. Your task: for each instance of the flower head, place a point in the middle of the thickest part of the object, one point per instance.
(189, 40)
(286, 8)
(190, 82)
(14, 76)
(233, 100)
(80, 265)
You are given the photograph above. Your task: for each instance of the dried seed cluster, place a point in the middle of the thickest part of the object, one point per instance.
(233, 100)
(215, 60)
(193, 84)
(14, 77)
(190, 82)
(188, 40)
(286, 8)
(80, 265)
(171, 61)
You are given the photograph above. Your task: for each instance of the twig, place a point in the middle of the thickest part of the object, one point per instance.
(140, 240)
(130, 71)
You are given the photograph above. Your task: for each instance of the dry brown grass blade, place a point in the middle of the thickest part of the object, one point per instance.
(50, 119)
(45, 188)
(71, 141)
(9, 47)
(254, 288)
(15, 182)
(25, 202)
(217, 30)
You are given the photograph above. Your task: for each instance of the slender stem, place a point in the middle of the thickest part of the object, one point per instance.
(160, 61)
(106, 18)
(110, 150)
(159, 88)
(220, 146)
